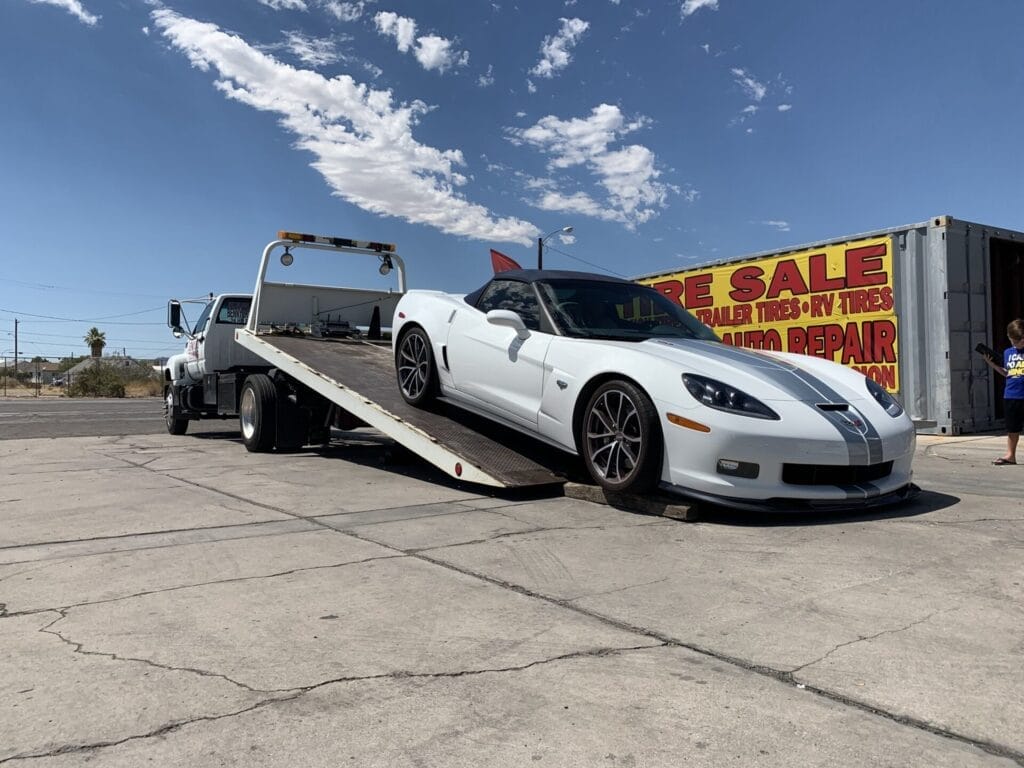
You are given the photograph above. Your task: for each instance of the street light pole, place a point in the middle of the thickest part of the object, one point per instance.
(544, 239)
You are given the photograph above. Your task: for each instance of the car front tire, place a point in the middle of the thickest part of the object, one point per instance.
(415, 368)
(620, 438)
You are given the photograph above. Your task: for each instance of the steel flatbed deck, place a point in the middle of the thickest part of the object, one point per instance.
(359, 376)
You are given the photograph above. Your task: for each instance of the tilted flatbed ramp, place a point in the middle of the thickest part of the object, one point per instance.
(360, 378)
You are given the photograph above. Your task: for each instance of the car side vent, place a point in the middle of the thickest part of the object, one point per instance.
(833, 406)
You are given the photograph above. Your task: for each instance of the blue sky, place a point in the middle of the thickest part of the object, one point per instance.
(149, 150)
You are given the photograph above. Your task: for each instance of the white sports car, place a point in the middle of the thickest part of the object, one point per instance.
(621, 375)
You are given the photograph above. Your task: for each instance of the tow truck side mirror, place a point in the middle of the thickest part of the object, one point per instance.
(174, 318)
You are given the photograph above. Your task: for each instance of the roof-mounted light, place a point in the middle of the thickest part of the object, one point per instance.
(337, 242)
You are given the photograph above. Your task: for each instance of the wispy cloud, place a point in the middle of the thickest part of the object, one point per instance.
(74, 7)
(487, 79)
(344, 11)
(361, 141)
(781, 226)
(314, 51)
(690, 7)
(751, 87)
(431, 51)
(628, 176)
(285, 5)
(554, 51)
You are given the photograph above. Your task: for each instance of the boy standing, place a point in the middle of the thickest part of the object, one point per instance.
(1013, 396)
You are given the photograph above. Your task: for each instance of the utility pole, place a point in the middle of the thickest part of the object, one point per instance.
(15, 348)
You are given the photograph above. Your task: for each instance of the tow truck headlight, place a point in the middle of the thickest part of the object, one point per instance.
(723, 397)
(883, 398)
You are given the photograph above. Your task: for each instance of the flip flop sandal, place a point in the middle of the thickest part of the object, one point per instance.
(1001, 462)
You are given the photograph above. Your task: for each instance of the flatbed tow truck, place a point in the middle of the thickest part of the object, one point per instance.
(294, 360)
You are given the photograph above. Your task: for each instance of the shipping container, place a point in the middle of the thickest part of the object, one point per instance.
(906, 306)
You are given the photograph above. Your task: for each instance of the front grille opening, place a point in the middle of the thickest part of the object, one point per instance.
(823, 474)
(833, 406)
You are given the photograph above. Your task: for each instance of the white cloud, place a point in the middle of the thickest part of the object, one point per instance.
(314, 51)
(74, 7)
(690, 7)
(285, 5)
(554, 51)
(362, 143)
(345, 11)
(781, 226)
(431, 51)
(751, 87)
(399, 27)
(784, 107)
(628, 175)
(486, 79)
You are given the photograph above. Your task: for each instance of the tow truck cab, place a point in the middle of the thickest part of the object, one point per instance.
(205, 380)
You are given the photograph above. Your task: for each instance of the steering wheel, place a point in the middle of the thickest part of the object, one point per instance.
(572, 312)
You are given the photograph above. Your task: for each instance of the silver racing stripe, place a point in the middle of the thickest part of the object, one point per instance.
(863, 443)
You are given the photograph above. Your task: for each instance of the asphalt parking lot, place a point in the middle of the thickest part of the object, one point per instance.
(177, 601)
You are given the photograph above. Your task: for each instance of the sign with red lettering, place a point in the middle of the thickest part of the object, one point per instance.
(834, 302)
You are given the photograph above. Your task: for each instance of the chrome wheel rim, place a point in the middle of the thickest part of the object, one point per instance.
(247, 413)
(413, 365)
(614, 436)
(169, 407)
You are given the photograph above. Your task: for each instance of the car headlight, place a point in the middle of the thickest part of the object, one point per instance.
(883, 398)
(722, 397)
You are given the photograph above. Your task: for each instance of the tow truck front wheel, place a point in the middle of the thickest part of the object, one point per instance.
(257, 413)
(175, 424)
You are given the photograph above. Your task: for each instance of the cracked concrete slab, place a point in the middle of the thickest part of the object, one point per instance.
(96, 578)
(663, 706)
(113, 502)
(55, 697)
(382, 617)
(787, 600)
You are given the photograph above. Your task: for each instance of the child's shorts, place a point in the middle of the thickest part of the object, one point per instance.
(1013, 411)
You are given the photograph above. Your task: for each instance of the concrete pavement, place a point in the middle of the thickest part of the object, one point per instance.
(178, 601)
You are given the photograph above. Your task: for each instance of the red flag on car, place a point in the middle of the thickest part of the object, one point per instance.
(501, 262)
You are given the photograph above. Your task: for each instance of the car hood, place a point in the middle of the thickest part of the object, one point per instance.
(764, 375)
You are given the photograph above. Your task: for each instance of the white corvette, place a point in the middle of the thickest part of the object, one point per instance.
(648, 396)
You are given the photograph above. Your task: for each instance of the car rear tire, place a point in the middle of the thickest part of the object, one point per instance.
(415, 368)
(175, 424)
(620, 438)
(257, 413)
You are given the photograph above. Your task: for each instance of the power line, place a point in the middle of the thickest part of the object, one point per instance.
(106, 320)
(584, 261)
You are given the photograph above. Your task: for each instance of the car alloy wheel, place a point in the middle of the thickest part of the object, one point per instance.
(620, 440)
(415, 367)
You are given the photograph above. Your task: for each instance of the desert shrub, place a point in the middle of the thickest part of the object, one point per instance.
(98, 381)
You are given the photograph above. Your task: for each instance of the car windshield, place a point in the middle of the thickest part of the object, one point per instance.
(612, 310)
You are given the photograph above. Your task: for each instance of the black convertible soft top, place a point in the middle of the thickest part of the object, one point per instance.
(541, 275)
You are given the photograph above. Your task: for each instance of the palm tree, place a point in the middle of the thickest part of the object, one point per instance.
(96, 340)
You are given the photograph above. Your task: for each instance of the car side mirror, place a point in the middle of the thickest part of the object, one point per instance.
(508, 319)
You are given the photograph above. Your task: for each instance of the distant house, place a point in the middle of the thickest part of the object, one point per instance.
(42, 373)
(127, 364)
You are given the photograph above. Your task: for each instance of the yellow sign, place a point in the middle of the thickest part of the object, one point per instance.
(834, 302)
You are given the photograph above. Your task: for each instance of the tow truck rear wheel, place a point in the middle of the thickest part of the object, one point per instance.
(175, 424)
(257, 413)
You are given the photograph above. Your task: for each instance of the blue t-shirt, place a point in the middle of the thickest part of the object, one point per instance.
(1013, 362)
